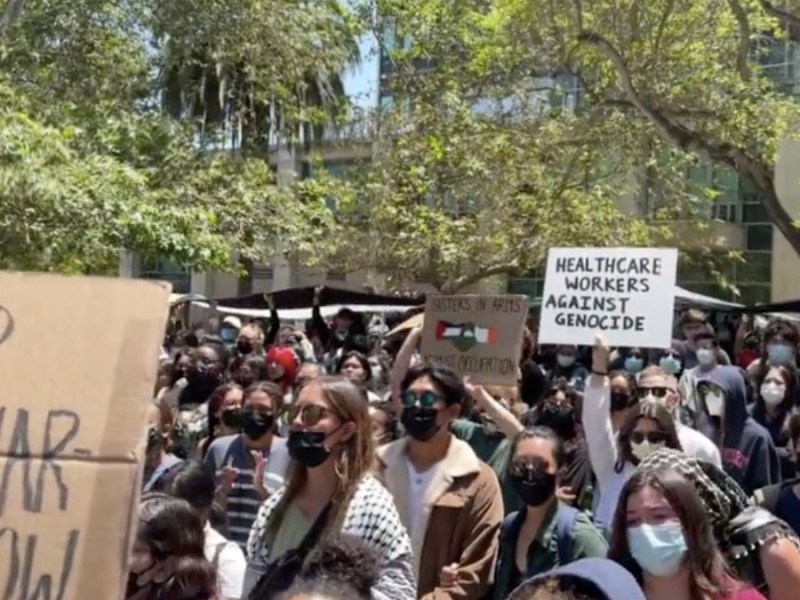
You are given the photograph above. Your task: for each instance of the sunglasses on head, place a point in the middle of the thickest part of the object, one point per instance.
(424, 399)
(656, 392)
(310, 414)
(654, 437)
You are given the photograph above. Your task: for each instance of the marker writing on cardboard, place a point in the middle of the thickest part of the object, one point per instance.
(6, 324)
(38, 471)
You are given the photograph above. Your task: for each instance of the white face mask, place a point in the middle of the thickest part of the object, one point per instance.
(705, 356)
(645, 449)
(772, 393)
(715, 401)
(565, 360)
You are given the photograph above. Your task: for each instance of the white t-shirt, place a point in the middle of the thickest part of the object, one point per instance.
(698, 446)
(229, 561)
(417, 486)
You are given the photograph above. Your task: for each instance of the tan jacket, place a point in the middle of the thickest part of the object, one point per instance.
(460, 520)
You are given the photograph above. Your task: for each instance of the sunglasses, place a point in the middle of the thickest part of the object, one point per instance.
(424, 399)
(521, 467)
(310, 414)
(656, 392)
(654, 437)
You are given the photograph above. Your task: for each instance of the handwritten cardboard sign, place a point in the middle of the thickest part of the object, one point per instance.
(479, 336)
(78, 363)
(625, 294)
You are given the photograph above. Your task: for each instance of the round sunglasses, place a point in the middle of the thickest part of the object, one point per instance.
(425, 399)
(310, 414)
(654, 437)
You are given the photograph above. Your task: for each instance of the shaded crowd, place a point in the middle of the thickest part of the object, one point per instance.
(332, 463)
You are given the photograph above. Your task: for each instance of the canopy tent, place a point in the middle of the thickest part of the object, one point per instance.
(685, 298)
(295, 304)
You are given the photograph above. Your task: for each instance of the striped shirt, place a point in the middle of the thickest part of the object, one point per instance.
(243, 499)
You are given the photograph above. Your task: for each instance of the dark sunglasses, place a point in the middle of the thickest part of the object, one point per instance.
(310, 414)
(654, 437)
(657, 392)
(424, 399)
(521, 467)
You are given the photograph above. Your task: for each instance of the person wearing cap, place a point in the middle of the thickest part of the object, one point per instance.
(694, 322)
(585, 579)
(229, 329)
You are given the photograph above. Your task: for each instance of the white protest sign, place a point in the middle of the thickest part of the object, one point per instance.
(625, 294)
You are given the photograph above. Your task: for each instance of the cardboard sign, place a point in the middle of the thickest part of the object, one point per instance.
(78, 360)
(479, 336)
(625, 294)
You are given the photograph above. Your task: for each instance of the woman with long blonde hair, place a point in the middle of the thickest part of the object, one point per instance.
(329, 490)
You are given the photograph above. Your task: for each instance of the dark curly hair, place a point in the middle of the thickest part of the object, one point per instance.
(343, 559)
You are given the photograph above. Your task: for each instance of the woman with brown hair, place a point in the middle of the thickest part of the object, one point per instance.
(329, 490)
(168, 560)
(663, 536)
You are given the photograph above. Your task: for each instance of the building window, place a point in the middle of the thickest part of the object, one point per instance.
(756, 268)
(754, 212)
(752, 294)
(533, 288)
(263, 272)
(759, 237)
(724, 212)
(167, 270)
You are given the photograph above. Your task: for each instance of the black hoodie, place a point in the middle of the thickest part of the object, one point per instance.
(748, 454)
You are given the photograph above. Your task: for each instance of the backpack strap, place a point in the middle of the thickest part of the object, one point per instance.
(217, 552)
(565, 523)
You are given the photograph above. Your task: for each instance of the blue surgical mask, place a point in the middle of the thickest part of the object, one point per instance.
(779, 354)
(670, 364)
(633, 364)
(658, 549)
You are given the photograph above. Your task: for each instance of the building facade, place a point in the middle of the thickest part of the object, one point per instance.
(765, 270)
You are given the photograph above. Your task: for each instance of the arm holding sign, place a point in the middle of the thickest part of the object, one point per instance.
(402, 362)
(505, 420)
(596, 416)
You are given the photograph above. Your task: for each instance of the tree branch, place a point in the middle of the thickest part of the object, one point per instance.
(676, 133)
(459, 283)
(11, 12)
(786, 18)
(742, 56)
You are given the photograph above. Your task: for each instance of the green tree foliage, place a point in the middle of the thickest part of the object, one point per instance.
(636, 94)
(92, 164)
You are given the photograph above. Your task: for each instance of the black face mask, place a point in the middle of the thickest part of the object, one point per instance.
(203, 377)
(560, 418)
(255, 424)
(308, 447)
(231, 418)
(535, 487)
(244, 347)
(619, 401)
(176, 376)
(420, 423)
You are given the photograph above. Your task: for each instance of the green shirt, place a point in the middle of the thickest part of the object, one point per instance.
(586, 541)
(494, 449)
(293, 528)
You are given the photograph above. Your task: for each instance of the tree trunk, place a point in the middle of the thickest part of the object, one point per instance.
(11, 12)
(778, 215)
(244, 286)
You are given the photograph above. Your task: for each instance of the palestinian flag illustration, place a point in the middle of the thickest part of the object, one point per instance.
(464, 336)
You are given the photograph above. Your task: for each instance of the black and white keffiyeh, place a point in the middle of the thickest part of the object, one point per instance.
(372, 517)
(740, 529)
